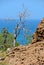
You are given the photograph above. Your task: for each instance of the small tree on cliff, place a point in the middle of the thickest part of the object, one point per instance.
(5, 34)
(19, 26)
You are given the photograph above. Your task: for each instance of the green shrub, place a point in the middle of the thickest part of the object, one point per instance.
(17, 44)
(29, 38)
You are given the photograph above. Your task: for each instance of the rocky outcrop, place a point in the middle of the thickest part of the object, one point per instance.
(39, 34)
(33, 54)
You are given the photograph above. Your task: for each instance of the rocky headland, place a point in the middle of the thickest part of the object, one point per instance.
(32, 54)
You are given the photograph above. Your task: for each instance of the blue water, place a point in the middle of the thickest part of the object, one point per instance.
(31, 26)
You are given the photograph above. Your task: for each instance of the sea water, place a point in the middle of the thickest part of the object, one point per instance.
(30, 25)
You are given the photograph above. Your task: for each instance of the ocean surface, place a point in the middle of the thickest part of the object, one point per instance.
(30, 25)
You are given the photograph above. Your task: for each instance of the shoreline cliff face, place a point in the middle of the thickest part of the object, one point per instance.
(39, 34)
(33, 54)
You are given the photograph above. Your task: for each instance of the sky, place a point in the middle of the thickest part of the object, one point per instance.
(11, 8)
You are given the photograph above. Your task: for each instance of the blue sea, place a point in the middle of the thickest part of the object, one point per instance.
(30, 25)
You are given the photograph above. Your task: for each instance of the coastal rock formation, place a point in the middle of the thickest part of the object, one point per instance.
(39, 34)
(33, 54)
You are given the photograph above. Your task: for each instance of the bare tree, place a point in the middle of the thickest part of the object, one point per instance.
(19, 26)
(16, 33)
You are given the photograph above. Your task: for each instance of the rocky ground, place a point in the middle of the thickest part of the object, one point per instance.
(27, 55)
(33, 54)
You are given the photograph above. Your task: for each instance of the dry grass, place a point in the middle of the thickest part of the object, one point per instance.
(3, 55)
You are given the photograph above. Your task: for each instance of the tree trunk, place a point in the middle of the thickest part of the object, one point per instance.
(14, 39)
(14, 42)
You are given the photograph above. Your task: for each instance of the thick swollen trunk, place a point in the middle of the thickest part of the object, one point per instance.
(15, 39)
(14, 42)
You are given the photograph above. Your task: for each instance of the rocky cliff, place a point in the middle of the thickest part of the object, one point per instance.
(39, 34)
(33, 54)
